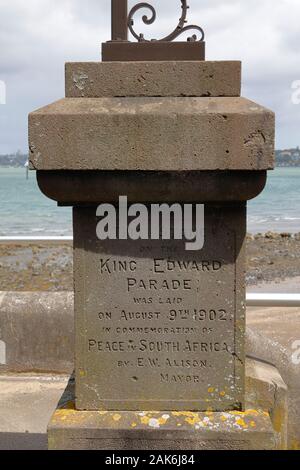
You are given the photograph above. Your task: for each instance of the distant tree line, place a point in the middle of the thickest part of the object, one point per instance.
(14, 160)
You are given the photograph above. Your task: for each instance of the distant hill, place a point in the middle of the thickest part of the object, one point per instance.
(284, 158)
(14, 160)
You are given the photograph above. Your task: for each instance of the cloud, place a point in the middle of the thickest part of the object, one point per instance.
(38, 36)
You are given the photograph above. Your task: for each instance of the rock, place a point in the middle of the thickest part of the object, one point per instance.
(286, 235)
(272, 235)
(297, 236)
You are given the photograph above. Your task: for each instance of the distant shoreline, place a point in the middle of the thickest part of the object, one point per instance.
(29, 239)
(25, 211)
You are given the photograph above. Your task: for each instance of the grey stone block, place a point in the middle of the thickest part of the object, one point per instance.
(158, 327)
(119, 79)
(134, 134)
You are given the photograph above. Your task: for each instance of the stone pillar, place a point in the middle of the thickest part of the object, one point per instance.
(157, 327)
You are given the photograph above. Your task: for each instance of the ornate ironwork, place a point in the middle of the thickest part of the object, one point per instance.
(180, 28)
(121, 49)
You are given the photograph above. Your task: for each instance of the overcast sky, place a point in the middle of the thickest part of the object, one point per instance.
(38, 36)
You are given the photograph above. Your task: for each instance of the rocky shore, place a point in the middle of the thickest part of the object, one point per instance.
(271, 257)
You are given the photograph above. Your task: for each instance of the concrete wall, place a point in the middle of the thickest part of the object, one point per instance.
(36, 332)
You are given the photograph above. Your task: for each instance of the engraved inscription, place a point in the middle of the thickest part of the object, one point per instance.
(160, 324)
(184, 337)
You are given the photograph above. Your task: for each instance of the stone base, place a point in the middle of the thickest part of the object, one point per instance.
(263, 426)
(85, 430)
(70, 429)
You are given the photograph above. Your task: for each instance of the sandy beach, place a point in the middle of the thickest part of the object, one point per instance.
(273, 263)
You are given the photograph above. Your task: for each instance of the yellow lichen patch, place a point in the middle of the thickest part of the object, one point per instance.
(222, 394)
(257, 413)
(69, 416)
(145, 420)
(192, 421)
(223, 418)
(278, 419)
(70, 405)
(251, 412)
(187, 414)
(102, 413)
(116, 417)
(134, 425)
(163, 420)
(241, 423)
(295, 445)
(211, 390)
(237, 413)
(253, 424)
(62, 413)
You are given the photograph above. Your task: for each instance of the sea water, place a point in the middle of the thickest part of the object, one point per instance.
(25, 211)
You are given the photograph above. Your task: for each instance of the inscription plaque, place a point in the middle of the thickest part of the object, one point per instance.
(159, 327)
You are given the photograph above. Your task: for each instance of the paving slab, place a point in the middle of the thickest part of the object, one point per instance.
(26, 406)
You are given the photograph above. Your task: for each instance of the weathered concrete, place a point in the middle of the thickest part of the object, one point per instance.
(274, 336)
(265, 389)
(26, 405)
(255, 429)
(37, 331)
(134, 133)
(119, 79)
(167, 331)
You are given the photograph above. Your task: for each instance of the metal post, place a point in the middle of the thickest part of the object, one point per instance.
(119, 19)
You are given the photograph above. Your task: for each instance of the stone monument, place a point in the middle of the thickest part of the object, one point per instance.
(157, 327)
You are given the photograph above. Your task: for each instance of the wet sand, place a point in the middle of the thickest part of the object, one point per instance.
(271, 259)
(36, 266)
